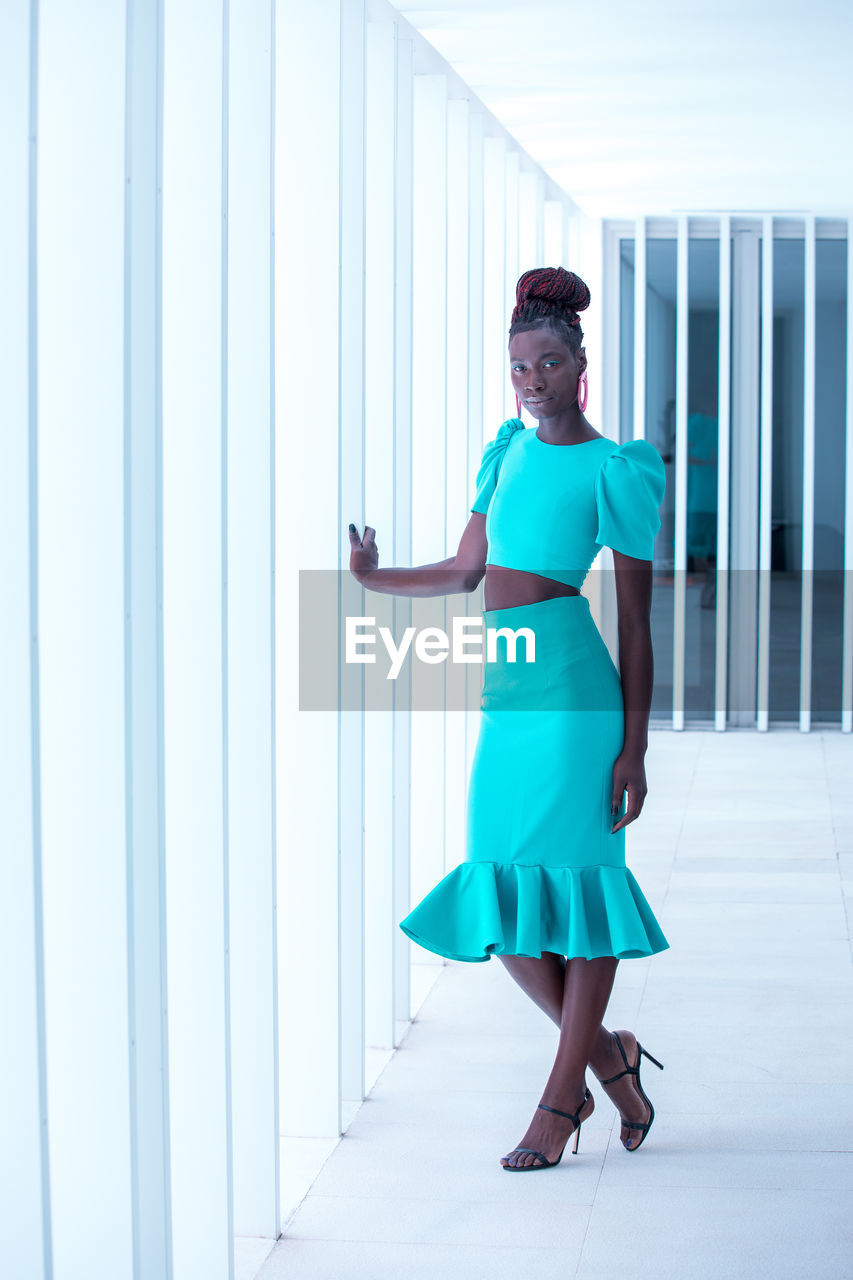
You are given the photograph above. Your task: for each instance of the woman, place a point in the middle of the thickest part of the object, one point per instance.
(544, 884)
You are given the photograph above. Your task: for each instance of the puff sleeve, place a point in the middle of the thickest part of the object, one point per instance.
(629, 488)
(493, 454)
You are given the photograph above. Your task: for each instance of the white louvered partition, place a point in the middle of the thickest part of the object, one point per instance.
(769, 374)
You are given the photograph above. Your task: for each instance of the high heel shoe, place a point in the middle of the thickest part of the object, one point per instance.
(634, 1071)
(576, 1121)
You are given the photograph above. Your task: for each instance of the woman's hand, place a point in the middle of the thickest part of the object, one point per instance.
(629, 773)
(364, 553)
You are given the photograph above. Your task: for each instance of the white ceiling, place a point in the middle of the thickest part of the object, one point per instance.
(667, 106)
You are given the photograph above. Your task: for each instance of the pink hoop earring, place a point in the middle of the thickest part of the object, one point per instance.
(518, 406)
(583, 390)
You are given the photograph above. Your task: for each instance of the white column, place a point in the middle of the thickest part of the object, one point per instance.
(476, 221)
(765, 479)
(458, 375)
(351, 761)
(531, 214)
(24, 1176)
(847, 644)
(254, 1015)
(723, 455)
(403, 319)
(195, 441)
(679, 595)
(807, 571)
(512, 273)
(495, 329)
(554, 235)
(310, 534)
(143, 491)
(379, 489)
(640, 329)
(429, 451)
(81, 642)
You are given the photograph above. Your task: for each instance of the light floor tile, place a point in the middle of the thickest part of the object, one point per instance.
(745, 849)
(697, 1234)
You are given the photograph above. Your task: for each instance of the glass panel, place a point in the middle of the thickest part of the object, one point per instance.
(703, 342)
(660, 431)
(830, 361)
(787, 484)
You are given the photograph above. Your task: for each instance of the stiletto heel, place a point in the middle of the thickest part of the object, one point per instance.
(574, 1116)
(634, 1071)
(649, 1056)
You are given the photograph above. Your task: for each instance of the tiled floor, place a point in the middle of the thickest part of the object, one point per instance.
(745, 849)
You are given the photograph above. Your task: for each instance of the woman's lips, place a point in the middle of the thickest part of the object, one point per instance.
(536, 403)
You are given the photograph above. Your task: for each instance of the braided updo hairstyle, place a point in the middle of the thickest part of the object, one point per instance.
(550, 297)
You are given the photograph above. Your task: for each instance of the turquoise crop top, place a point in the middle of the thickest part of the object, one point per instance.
(549, 508)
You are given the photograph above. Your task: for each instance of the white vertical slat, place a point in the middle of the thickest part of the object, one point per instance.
(529, 248)
(539, 220)
(494, 291)
(679, 599)
(429, 451)
(143, 551)
(310, 533)
(512, 273)
(765, 476)
(807, 578)
(24, 1181)
(379, 484)
(195, 641)
(847, 644)
(553, 232)
(476, 227)
(456, 483)
(80, 248)
(744, 475)
(254, 1033)
(351, 763)
(402, 529)
(723, 454)
(640, 329)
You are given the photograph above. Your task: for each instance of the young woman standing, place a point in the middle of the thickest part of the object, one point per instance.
(562, 739)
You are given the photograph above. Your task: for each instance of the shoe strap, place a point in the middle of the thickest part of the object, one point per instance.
(573, 1116)
(629, 1071)
(530, 1151)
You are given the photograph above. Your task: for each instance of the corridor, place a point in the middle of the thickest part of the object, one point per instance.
(745, 849)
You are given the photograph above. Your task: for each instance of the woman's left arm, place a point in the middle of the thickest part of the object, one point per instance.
(636, 668)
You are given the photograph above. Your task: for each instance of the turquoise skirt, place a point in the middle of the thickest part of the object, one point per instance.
(542, 870)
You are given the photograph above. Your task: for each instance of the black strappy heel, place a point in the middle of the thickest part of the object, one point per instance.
(634, 1071)
(549, 1164)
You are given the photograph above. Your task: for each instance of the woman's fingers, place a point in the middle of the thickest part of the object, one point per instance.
(369, 533)
(636, 796)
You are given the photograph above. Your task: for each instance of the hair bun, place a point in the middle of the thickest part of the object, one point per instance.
(552, 289)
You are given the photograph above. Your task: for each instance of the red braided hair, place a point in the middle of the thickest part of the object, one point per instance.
(549, 291)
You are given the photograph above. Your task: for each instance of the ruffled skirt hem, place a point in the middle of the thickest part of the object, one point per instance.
(481, 909)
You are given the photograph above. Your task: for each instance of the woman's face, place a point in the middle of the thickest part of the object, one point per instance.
(544, 372)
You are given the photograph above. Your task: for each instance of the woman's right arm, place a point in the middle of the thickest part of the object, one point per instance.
(460, 573)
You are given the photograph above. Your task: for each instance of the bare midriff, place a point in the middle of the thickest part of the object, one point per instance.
(506, 588)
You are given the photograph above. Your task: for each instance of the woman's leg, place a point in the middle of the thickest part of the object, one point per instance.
(544, 981)
(586, 991)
